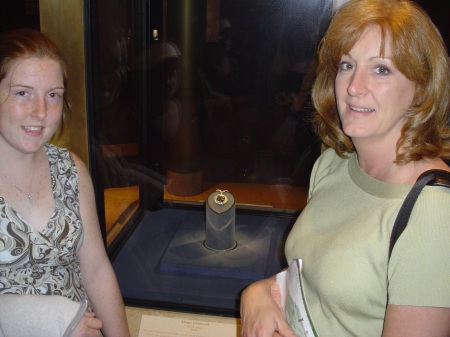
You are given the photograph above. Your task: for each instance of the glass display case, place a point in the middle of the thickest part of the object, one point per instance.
(189, 97)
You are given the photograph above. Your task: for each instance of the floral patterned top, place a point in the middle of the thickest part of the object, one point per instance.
(46, 263)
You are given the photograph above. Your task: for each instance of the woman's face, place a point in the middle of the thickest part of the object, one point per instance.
(172, 83)
(372, 95)
(31, 103)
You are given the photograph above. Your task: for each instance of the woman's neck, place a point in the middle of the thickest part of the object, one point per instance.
(18, 163)
(381, 165)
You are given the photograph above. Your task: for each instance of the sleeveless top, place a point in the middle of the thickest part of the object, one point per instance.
(46, 263)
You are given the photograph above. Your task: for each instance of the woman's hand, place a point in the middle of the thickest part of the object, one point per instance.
(261, 314)
(88, 326)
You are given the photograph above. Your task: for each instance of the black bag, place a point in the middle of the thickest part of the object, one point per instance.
(430, 177)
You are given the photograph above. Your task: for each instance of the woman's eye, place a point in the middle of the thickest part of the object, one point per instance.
(345, 66)
(382, 70)
(55, 95)
(21, 93)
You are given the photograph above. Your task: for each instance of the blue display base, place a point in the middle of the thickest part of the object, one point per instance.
(187, 253)
(144, 282)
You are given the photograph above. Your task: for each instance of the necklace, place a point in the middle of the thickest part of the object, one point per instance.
(30, 189)
(27, 194)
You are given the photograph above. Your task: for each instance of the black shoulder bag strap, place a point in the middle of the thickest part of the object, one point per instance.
(431, 177)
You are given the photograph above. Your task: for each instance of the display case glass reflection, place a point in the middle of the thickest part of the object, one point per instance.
(195, 96)
(229, 99)
(214, 94)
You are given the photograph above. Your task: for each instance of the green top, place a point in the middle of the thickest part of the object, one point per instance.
(343, 235)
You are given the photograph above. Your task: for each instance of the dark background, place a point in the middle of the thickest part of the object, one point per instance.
(19, 13)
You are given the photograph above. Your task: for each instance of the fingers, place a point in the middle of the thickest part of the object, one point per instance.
(92, 321)
(261, 313)
(284, 330)
(275, 292)
(88, 326)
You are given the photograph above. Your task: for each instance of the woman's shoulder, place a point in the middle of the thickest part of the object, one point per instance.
(329, 161)
(433, 202)
(435, 199)
(59, 157)
(64, 157)
(329, 164)
(55, 152)
(329, 155)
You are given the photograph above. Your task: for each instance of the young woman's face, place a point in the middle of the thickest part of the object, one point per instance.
(31, 103)
(372, 95)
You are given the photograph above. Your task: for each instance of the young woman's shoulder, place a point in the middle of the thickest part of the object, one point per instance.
(67, 158)
(83, 172)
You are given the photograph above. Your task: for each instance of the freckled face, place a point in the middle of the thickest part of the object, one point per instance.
(372, 95)
(31, 104)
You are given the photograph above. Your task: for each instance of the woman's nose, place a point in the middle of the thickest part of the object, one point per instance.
(39, 109)
(358, 84)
